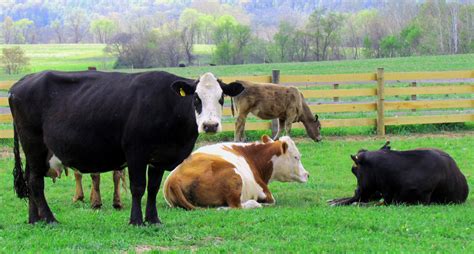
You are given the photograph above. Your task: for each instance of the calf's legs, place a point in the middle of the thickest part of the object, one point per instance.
(79, 195)
(95, 197)
(96, 200)
(117, 202)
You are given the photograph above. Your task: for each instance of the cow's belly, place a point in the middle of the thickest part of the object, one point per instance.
(267, 114)
(251, 190)
(87, 154)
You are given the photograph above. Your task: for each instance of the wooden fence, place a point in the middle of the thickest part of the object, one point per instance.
(378, 93)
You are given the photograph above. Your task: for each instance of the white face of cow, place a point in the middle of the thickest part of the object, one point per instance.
(208, 98)
(208, 102)
(288, 167)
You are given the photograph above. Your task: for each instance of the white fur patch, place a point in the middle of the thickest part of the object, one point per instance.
(210, 92)
(251, 190)
(288, 167)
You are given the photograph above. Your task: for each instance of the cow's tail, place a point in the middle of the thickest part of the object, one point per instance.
(174, 195)
(19, 181)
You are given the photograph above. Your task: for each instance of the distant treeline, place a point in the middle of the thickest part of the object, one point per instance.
(163, 32)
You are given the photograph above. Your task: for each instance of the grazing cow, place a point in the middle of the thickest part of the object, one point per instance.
(100, 121)
(270, 101)
(234, 174)
(420, 176)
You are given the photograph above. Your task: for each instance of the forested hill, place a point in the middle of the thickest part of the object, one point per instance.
(43, 13)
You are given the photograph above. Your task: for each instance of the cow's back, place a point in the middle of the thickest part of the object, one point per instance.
(269, 101)
(430, 170)
(86, 118)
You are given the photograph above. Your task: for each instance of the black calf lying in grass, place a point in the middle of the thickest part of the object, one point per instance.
(420, 176)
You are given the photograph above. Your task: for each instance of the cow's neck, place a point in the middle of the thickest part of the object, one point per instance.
(259, 157)
(306, 116)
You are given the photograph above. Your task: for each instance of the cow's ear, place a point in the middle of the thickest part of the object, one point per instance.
(386, 146)
(284, 147)
(183, 87)
(232, 89)
(355, 158)
(266, 139)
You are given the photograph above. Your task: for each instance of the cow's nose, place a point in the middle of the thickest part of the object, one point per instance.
(210, 127)
(319, 138)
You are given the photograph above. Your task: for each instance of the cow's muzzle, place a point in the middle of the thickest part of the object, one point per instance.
(210, 127)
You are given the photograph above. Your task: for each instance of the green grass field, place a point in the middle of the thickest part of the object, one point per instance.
(73, 57)
(299, 222)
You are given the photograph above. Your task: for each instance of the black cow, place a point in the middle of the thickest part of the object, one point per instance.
(420, 176)
(97, 122)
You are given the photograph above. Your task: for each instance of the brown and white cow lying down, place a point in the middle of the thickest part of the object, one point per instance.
(270, 101)
(234, 175)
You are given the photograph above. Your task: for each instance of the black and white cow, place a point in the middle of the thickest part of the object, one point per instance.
(97, 122)
(419, 176)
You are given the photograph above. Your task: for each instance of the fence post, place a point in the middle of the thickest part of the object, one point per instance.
(413, 96)
(275, 80)
(380, 102)
(335, 86)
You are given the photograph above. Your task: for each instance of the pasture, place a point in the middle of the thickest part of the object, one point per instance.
(301, 221)
(75, 57)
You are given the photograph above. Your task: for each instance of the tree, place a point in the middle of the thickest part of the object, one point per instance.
(13, 60)
(103, 29)
(23, 28)
(58, 28)
(8, 30)
(77, 22)
(283, 39)
(410, 38)
(189, 24)
(389, 46)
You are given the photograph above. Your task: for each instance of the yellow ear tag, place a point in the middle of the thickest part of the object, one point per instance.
(181, 92)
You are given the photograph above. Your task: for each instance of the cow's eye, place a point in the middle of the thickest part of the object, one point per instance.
(197, 104)
(221, 100)
(296, 158)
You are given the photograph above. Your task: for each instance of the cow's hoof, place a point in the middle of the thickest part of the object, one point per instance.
(96, 206)
(156, 222)
(137, 223)
(117, 206)
(78, 198)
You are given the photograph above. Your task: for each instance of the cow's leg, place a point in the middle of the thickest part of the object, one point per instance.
(155, 176)
(37, 168)
(239, 135)
(96, 200)
(117, 203)
(137, 175)
(288, 127)
(281, 124)
(79, 196)
(33, 215)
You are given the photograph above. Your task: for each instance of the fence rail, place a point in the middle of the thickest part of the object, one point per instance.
(376, 104)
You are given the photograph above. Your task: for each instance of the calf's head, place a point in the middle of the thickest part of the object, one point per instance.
(287, 166)
(313, 128)
(208, 98)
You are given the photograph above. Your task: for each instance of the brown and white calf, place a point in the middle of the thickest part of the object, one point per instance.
(270, 101)
(234, 175)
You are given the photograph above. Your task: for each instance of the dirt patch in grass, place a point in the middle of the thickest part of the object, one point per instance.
(147, 248)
